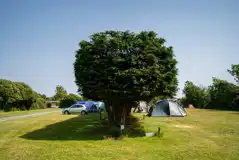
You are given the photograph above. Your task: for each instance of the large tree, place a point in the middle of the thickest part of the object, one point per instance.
(234, 72)
(123, 67)
(60, 93)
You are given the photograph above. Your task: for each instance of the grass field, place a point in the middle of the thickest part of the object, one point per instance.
(202, 135)
(18, 113)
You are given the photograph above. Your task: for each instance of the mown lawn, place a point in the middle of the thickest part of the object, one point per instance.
(203, 134)
(19, 113)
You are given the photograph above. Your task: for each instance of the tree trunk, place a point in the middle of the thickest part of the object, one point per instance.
(108, 109)
(135, 109)
(147, 107)
(117, 113)
(111, 120)
(123, 115)
(128, 111)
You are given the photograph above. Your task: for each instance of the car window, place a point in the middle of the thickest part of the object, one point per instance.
(75, 106)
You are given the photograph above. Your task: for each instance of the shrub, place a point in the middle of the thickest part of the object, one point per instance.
(69, 100)
(57, 103)
(114, 132)
(48, 104)
(35, 106)
(10, 107)
(39, 104)
(17, 94)
(66, 103)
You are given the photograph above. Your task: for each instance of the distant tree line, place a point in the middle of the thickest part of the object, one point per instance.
(220, 95)
(65, 99)
(69, 100)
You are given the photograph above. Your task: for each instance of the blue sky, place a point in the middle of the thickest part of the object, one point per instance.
(38, 38)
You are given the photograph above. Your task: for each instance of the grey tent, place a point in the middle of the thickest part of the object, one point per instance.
(167, 107)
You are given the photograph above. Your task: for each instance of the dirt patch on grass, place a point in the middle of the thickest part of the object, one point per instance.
(183, 126)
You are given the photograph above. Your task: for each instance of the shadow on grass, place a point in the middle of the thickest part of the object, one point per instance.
(237, 112)
(87, 127)
(134, 128)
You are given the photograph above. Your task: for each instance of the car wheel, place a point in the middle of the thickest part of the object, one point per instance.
(66, 112)
(83, 112)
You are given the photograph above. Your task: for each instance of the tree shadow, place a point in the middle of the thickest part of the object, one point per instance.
(134, 127)
(237, 112)
(87, 127)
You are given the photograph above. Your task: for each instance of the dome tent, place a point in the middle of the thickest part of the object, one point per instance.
(167, 107)
(91, 107)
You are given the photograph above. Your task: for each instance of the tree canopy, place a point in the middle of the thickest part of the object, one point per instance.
(60, 93)
(234, 72)
(121, 67)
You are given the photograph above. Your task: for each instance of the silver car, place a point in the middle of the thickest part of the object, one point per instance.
(75, 109)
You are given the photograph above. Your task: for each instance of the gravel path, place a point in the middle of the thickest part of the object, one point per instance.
(27, 115)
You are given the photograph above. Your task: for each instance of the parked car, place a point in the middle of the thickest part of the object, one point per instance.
(75, 109)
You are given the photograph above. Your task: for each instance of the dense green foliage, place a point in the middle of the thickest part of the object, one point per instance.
(235, 72)
(39, 104)
(48, 104)
(220, 95)
(196, 95)
(69, 100)
(223, 95)
(123, 67)
(18, 96)
(43, 96)
(60, 93)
